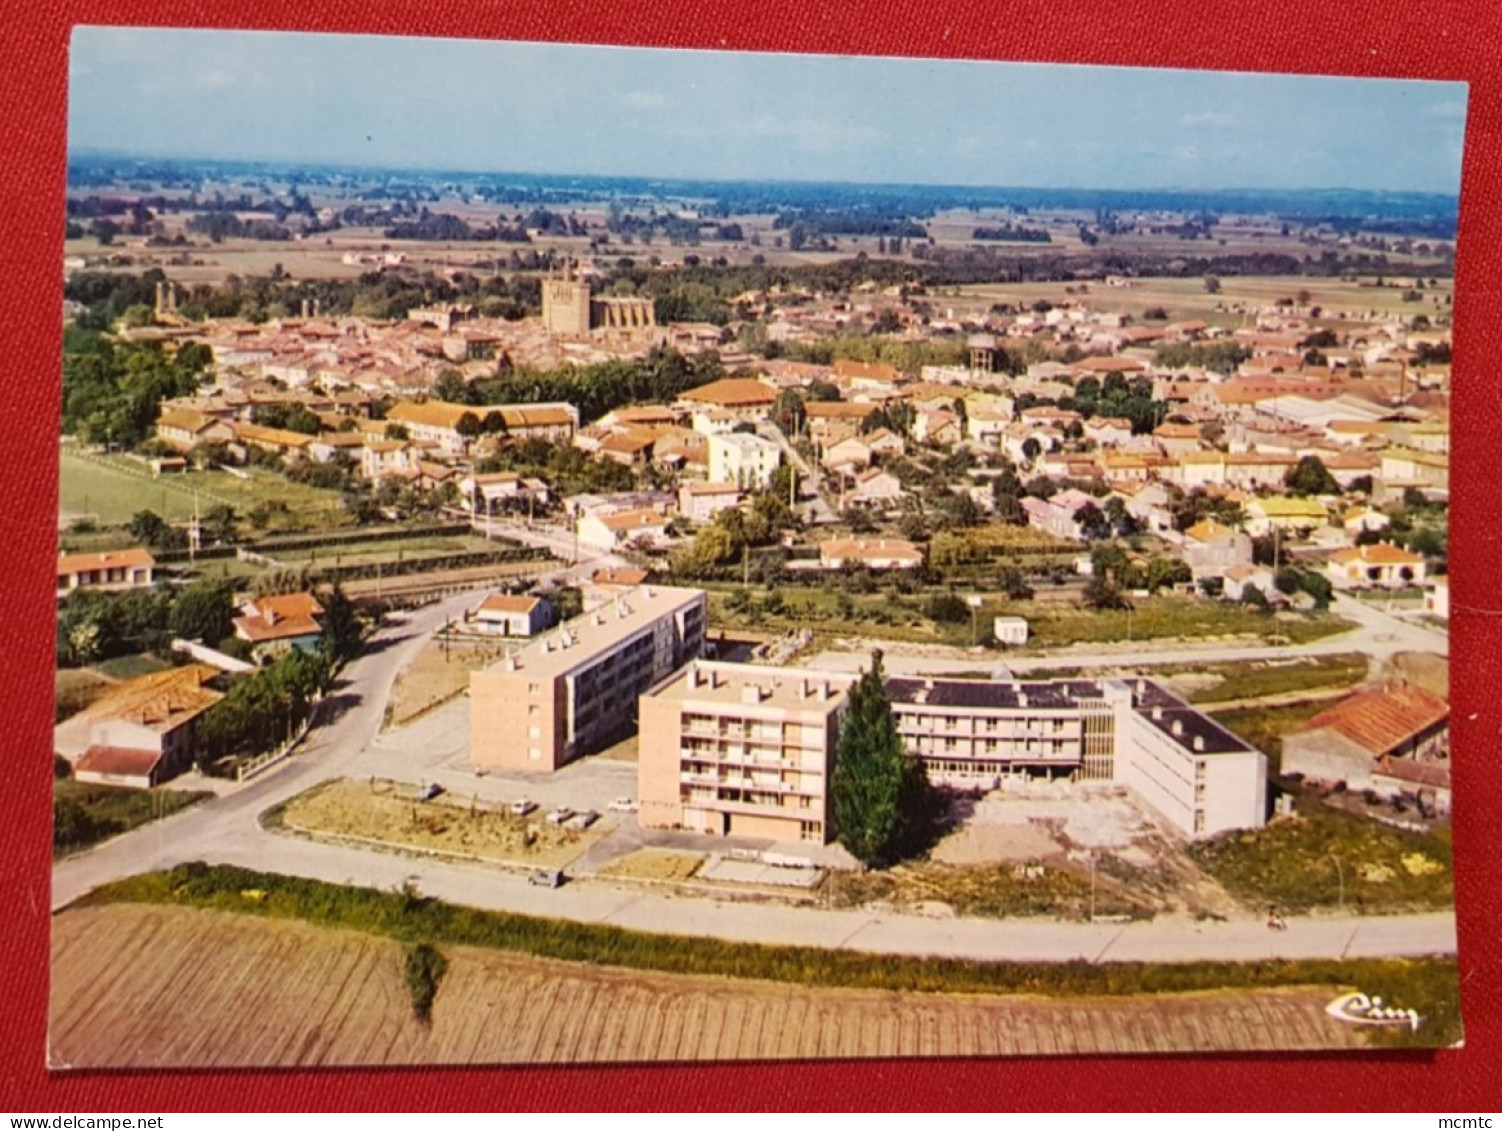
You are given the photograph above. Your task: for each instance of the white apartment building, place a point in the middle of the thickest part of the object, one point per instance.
(1195, 773)
(744, 459)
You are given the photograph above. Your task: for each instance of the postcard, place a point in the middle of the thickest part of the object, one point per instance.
(623, 555)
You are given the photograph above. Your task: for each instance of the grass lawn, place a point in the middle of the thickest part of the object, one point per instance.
(394, 550)
(1264, 727)
(114, 490)
(1324, 858)
(436, 675)
(84, 814)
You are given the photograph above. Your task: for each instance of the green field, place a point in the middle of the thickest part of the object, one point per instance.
(113, 489)
(130, 667)
(393, 550)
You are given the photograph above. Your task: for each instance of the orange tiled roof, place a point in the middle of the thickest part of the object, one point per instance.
(118, 761)
(110, 559)
(1381, 718)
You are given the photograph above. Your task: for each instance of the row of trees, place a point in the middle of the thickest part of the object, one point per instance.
(93, 625)
(262, 709)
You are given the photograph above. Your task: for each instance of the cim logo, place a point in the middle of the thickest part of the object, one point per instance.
(1358, 1009)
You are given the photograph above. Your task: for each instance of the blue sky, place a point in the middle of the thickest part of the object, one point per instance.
(486, 105)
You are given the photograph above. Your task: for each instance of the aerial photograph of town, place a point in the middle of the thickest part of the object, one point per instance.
(624, 555)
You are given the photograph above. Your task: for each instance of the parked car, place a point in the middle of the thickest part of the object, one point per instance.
(559, 815)
(582, 820)
(522, 806)
(546, 878)
(429, 791)
(623, 805)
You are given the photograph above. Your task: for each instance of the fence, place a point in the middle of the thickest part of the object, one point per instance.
(253, 766)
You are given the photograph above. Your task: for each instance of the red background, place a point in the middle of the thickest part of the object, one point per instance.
(1440, 39)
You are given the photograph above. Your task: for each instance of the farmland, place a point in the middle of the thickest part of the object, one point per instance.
(252, 992)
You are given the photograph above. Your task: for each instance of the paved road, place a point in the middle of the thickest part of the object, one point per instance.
(226, 830)
(1018, 940)
(810, 483)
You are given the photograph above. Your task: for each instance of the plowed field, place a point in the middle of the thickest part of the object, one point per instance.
(137, 986)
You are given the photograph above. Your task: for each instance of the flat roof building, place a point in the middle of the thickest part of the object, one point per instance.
(570, 691)
(1193, 771)
(741, 749)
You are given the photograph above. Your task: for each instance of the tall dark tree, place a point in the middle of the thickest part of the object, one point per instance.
(203, 611)
(342, 633)
(878, 794)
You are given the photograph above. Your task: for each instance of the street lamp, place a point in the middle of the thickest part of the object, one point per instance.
(1340, 880)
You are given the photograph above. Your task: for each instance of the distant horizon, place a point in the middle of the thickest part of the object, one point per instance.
(562, 110)
(147, 157)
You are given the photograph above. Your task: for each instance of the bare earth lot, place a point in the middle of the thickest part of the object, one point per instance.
(436, 676)
(252, 992)
(385, 813)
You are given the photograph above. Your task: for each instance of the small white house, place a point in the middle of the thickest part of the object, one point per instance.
(1009, 630)
(503, 614)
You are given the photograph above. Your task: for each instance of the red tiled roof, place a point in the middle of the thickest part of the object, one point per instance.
(1381, 718)
(289, 605)
(258, 631)
(118, 761)
(506, 603)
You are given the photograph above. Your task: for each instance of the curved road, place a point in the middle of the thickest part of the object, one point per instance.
(225, 830)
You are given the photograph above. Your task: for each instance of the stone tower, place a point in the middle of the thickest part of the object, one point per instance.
(565, 304)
